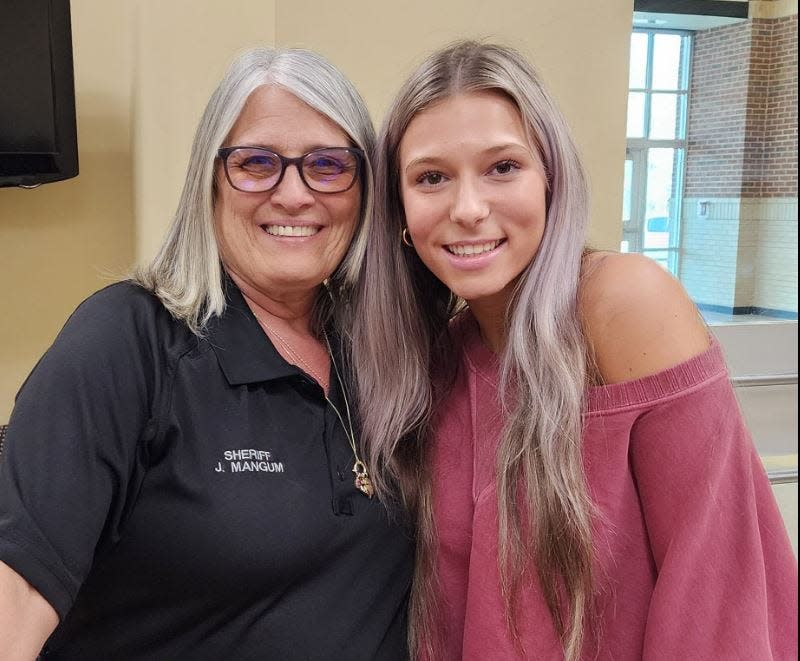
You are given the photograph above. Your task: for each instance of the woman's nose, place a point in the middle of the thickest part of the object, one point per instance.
(292, 192)
(470, 205)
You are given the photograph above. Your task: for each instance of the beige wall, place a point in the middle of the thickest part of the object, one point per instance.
(580, 47)
(64, 240)
(182, 50)
(771, 8)
(144, 69)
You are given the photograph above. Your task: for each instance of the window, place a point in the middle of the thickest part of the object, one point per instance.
(657, 108)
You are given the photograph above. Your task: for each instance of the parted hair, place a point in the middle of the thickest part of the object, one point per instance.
(186, 273)
(401, 339)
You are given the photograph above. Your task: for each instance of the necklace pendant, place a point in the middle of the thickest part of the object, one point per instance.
(362, 481)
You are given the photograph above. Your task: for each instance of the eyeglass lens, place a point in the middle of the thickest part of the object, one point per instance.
(252, 169)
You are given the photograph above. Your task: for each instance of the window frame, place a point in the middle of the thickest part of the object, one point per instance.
(643, 144)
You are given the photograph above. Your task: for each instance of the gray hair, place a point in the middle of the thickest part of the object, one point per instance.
(401, 337)
(186, 273)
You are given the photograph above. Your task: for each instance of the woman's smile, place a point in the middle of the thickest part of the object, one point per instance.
(474, 248)
(474, 256)
(473, 193)
(288, 238)
(291, 230)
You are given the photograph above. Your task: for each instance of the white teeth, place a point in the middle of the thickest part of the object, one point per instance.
(473, 249)
(291, 230)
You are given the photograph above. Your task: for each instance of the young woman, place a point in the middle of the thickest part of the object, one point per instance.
(560, 421)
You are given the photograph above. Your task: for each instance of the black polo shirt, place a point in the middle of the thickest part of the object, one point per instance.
(183, 498)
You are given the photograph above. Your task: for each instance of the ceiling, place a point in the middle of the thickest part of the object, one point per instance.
(643, 19)
(688, 14)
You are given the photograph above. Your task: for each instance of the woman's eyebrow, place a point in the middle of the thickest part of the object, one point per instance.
(507, 145)
(435, 160)
(426, 160)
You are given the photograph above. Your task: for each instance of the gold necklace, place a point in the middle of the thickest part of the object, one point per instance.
(362, 482)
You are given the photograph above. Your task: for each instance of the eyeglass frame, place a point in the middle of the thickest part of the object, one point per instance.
(224, 152)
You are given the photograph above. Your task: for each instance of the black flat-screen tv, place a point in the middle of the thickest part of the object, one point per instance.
(38, 136)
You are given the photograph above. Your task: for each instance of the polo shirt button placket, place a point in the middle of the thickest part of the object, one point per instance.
(345, 506)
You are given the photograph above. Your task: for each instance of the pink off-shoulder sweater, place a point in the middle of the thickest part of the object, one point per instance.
(692, 556)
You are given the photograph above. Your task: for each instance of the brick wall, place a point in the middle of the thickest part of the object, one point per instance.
(758, 90)
(775, 281)
(742, 154)
(718, 111)
(709, 275)
(779, 174)
(742, 128)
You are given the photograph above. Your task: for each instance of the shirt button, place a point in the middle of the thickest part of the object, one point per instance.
(345, 506)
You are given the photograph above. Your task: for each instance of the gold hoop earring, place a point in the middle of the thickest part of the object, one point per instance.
(404, 237)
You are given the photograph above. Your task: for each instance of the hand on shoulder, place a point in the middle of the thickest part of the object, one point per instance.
(637, 318)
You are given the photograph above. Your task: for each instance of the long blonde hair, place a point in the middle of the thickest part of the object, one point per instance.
(400, 338)
(186, 274)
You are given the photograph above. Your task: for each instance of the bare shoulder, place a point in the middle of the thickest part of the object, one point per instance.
(637, 318)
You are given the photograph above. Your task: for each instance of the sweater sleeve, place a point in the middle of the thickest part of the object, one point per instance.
(726, 584)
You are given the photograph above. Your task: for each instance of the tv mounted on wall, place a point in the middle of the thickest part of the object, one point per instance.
(38, 136)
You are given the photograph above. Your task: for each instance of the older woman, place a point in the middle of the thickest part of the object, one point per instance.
(584, 484)
(183, 478)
